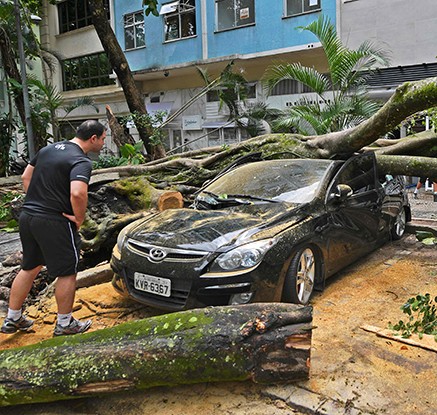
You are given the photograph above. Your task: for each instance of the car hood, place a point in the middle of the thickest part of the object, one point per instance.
(209, 230)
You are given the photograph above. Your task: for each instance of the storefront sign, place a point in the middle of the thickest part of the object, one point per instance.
(192, 122)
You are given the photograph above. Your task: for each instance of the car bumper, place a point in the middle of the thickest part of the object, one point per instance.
(196, 292)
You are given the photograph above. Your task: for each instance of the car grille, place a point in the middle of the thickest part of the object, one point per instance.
(163, 263)
(171, 255)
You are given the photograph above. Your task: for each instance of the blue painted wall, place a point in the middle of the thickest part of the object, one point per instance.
(271, 32)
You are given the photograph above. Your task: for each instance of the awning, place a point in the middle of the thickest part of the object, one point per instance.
(218, 124)
(154, 107)
(169, 7)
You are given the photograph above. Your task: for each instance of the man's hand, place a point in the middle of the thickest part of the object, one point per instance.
(72, 218)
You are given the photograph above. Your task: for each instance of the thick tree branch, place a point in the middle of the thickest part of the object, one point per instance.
(417, 144)
(266, 343)
(407, 165)
(408, 99)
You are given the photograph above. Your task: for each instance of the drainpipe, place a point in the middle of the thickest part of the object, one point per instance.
(204, 30)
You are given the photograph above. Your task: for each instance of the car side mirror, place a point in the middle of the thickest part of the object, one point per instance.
(342, 192)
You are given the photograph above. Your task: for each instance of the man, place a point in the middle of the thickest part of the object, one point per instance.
(421, 182)
(56, 186)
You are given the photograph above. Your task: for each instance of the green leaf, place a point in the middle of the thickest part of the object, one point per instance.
(420, 235)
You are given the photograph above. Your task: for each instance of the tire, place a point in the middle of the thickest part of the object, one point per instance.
(398, 228)
(301, 276)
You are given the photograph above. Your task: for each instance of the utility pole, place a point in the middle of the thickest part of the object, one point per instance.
(29, 128)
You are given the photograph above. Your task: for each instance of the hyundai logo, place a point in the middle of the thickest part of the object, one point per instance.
(157, 254)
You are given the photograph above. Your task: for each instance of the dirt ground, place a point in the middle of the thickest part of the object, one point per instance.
(350, 366)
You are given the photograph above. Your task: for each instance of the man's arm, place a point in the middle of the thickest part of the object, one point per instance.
(27, 176)
(79, 202)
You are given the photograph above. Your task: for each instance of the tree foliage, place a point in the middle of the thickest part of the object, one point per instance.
(340, 99)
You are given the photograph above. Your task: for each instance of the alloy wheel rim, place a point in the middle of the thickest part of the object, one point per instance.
(305, 275)
(400, 223)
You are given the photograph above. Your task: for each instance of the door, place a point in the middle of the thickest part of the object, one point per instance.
(353, 219)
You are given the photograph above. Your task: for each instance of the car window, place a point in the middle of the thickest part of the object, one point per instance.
(358, 173)
(294, 181)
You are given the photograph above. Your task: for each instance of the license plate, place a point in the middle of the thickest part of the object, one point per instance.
(153, 285)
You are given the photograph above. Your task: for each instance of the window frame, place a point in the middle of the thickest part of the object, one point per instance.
(134, 25)
(86, 74)
(80, 19)
(236, 20)
(304, 9)
(185, 10)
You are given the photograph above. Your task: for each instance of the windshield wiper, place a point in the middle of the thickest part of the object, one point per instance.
(264, 199)
(216, 200)
(225, 198)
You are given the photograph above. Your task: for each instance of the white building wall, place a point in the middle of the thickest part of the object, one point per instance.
(405, 28)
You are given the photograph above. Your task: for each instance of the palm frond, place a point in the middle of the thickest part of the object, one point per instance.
(310, 77)
(303, 118)
(325, 32)
(80, 102)
(204, 74)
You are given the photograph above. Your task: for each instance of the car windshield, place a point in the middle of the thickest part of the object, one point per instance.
(293, 181)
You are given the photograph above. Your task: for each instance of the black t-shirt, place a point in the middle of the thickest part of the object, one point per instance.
(55, 167)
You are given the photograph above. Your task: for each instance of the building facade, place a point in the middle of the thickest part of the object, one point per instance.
(165, 52)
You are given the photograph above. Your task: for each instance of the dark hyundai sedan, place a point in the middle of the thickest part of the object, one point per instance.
(265, 231)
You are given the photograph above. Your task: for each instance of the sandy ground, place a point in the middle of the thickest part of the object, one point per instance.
(349, 366)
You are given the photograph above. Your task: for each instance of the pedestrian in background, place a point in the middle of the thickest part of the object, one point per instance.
(421, 182)
(56, 186)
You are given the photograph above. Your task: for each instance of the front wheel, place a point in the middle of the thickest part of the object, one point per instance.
(398, 229)
(301, 276)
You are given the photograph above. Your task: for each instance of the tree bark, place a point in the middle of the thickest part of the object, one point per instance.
(118, 134)
(267, 343)
(409, 98)
(10, 66)
(121, 67)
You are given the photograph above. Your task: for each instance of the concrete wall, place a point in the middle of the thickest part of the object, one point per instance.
(408, 29)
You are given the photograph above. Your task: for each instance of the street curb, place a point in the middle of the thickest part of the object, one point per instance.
(418, 224)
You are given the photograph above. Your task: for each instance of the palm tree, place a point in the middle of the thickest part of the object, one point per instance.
(341, 94)
(47, 106)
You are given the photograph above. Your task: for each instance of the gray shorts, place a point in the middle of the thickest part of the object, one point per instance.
(51, 242)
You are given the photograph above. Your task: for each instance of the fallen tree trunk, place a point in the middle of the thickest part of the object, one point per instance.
(268, 343)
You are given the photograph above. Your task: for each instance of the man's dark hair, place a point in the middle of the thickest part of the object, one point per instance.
(89, 128)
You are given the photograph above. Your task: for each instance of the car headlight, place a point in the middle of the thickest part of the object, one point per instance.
(123, 233)
(242, 258)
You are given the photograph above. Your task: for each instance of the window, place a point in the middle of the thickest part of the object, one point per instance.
(249, 93)
(234, 13)
(74, 14)
(134, 30)
(213, 95)
(87, 72)
(359, 174)
(290, 87)
(179, 19)
(295, 7)
(224, 133)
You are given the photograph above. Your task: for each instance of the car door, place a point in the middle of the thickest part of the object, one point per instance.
(354, 219)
